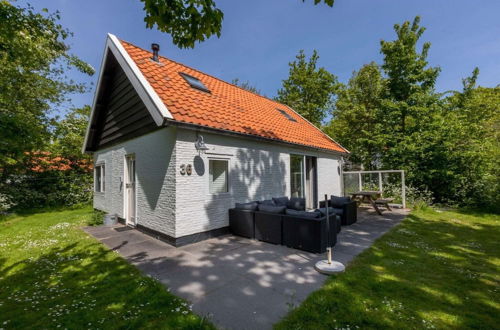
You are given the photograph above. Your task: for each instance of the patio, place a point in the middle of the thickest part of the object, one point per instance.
(237, 282)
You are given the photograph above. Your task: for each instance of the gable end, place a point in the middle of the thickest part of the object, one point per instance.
(120, 113)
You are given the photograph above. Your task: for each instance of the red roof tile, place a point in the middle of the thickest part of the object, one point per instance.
(226, 107)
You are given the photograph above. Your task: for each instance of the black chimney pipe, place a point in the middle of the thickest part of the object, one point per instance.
(156, 49)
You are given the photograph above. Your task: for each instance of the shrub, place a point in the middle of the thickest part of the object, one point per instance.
(5, 203)
(97, 218)
(48, 189)
(415, 198)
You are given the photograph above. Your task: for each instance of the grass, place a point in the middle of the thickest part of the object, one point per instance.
(53, 275)
(438, 269)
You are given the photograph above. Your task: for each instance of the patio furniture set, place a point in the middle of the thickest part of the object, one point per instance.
(285, 221)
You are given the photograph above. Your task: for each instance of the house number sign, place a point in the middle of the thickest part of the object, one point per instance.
(186, 169)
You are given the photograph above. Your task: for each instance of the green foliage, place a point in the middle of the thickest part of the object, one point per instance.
(473, 145)
(5, 203)
(356, 116)
(49, 188)
(409, 105)
(406, 68)
(97, 218)
(34, 56)
(395, 120)
(59, 176)
(414, 197)
(69, 134)
(189, 21)
(308, 89)
(436, 270)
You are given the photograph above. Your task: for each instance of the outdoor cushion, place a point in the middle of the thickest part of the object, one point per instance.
(302, 214)
(338, 211)
(272, 209)
(322, 210)
(296, 203)
(280, 201)
(252, 206)
(339, 201)
(267, 202)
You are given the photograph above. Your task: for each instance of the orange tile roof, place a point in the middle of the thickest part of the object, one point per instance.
(226, 107)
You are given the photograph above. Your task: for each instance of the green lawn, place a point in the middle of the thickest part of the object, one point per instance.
(435, 270)
(53, 275)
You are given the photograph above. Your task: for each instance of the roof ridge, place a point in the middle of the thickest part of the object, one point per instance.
(207, 74)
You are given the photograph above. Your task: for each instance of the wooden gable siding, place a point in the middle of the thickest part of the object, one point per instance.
(125, 116)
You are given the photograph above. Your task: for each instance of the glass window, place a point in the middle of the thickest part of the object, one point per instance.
(297, 176)
(194, 82)
(218, 176)
(286, 114)
(99, 178)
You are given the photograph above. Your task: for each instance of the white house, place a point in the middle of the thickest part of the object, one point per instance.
(175, 148)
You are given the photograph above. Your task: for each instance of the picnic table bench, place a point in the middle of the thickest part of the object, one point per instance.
(373, 198)
(385, 202)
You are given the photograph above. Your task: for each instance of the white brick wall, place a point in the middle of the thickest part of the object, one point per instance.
(257, 170)
(155, 179)
(180, 205)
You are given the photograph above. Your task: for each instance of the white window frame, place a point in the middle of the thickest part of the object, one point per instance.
(101, 168)
(303, 181)
(227, 160)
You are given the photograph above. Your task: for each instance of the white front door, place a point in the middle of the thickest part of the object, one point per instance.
(130, 211)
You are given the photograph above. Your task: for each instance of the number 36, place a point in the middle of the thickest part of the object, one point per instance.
(186, 169)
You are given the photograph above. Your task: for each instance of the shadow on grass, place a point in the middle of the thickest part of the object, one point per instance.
(33, 211)
(85, 285)
(426, 273)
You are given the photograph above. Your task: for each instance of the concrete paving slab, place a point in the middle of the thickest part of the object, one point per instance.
(194, 283)
(104, 231)
(148, 248)
(342, 257)
(237, 282)
(243, 305)
(127, 238)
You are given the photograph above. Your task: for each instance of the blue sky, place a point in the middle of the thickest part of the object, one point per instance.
(260, 37)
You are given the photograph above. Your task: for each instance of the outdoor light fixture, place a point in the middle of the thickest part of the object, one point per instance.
(200, 144)
(328, 266)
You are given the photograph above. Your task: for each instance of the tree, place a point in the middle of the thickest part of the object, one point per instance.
(188, 21)
(355, 116)
(410, 118)
(308, 89)
(408, 77)
(447, 145)
(245, 85)
(69, 134)
(34, 57)
(473, 145)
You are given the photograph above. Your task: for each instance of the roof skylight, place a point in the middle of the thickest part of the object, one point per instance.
(286, 114)
(194, 82)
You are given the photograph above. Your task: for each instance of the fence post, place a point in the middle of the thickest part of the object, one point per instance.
(380, 182)
(403, 188)
(360, 182)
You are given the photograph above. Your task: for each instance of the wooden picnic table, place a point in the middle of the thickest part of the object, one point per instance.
(368, 196)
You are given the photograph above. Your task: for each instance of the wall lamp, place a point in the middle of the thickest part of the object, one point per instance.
(200, 144)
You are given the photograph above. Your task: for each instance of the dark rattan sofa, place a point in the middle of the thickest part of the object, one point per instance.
(344, 207)
(284, 221)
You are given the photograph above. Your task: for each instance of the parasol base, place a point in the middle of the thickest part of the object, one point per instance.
(326, 268)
